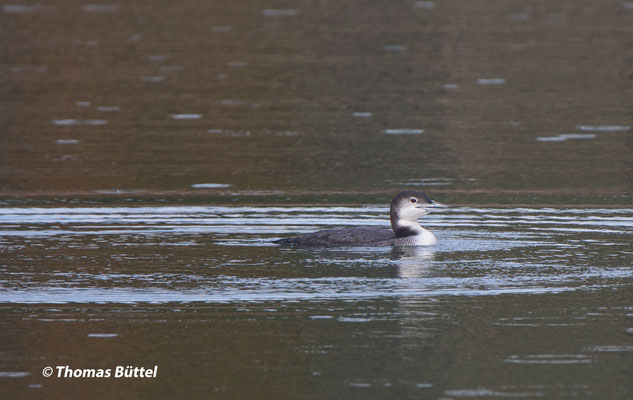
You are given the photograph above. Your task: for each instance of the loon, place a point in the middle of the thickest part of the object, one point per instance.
(406, 208)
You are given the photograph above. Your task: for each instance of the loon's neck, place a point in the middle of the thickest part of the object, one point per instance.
(403, 228)
(413, 233)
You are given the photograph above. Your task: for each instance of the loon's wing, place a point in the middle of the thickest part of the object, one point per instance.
(341, 237)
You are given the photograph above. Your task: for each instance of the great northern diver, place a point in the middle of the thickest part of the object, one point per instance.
(406, 208)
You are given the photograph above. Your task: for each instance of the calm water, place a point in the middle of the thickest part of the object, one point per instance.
(150, 154)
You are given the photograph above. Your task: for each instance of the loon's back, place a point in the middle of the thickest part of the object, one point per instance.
(360, 236)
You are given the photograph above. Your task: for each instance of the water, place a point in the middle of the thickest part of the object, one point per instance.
(522, 292)
(226, 254)
(150, 154)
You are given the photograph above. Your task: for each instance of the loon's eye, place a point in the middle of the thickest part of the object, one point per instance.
(414, 200)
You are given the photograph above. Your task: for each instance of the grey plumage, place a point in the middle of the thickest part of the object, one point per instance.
(364, 235)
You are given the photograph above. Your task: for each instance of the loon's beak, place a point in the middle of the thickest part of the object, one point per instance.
(433, 206)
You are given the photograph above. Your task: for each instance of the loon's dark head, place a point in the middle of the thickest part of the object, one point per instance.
(407, 207)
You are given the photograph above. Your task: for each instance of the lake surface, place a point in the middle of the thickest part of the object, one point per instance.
(512, 302)
(151, 153)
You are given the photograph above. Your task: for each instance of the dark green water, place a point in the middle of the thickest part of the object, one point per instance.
(150, 153)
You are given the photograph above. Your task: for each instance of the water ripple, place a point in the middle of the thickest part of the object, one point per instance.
(224, 254)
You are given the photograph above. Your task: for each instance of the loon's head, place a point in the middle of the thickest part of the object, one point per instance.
(406, 208)
(410, 205)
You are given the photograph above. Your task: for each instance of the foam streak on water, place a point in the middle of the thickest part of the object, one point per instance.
(225, 254)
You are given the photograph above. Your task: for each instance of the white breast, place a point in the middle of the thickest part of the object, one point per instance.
(425, 238)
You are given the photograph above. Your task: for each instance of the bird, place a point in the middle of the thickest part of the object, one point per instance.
(405, 210)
